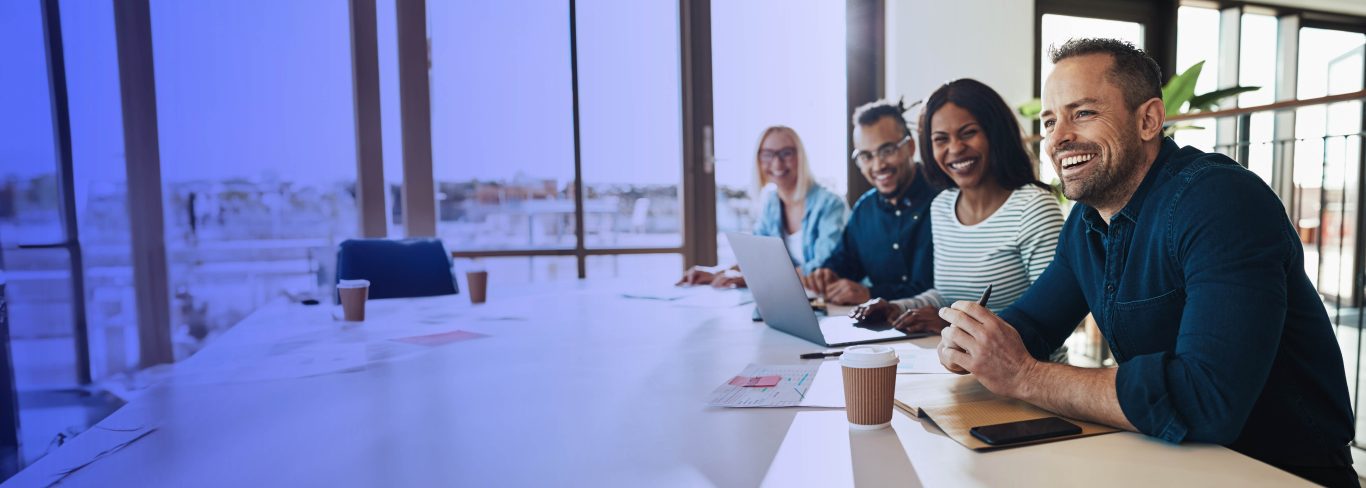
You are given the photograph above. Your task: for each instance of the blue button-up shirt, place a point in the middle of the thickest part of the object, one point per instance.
(889, 244)
(822, 224)
(1198, 285)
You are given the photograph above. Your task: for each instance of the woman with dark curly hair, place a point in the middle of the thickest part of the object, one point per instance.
(995, 224)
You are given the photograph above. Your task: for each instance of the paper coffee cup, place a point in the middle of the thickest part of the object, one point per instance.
(478, 282)
(353, 294)
(869, 385)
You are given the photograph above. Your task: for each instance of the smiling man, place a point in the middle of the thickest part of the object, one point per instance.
(1193, 273)
(887, 239)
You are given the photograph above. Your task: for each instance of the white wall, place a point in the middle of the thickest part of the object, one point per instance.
(930, 42)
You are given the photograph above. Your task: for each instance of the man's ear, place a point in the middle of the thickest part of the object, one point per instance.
(1151, 115)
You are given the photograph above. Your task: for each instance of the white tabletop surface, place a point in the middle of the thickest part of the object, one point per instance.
(576, 386)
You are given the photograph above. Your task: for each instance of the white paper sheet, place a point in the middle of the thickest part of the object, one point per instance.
(828, 388)
(304, 362)
(918, 360)
(797, 379)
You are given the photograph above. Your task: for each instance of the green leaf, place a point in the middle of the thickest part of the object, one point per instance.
(1181, 88)
(1031, 109)
(1206, 101)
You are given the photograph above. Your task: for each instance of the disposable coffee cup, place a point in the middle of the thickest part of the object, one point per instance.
(479, 285)
(353, 294)
(869, 384)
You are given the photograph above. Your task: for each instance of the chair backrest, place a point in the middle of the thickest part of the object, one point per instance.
(397, 268)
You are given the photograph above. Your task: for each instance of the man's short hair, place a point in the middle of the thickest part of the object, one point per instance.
(870, 113)
(1136, 74)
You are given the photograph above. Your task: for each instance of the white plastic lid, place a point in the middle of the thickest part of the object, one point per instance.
(870, 356)
(353, 283)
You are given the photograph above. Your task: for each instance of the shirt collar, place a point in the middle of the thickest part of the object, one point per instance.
(918, 193)
(1131, 209)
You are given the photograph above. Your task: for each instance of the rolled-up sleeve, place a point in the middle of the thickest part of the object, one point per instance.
(1232, 255)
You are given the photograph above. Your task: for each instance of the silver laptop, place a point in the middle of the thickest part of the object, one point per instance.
(782, 301)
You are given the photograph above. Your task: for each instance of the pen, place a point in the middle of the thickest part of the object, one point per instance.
(986, 294)
(822, 355)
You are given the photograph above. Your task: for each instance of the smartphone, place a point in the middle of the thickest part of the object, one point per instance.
(1024, 431)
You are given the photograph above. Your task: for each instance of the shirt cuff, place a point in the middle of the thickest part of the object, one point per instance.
(1141, 386)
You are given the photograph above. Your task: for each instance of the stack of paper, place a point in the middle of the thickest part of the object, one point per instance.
(797, 385)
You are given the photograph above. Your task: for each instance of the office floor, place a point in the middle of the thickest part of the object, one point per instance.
(46, 415)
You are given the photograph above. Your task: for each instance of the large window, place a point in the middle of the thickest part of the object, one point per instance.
(502, 133)
(1197, 40)
(257, 154)
(503, 136)
(1257, 67)
(1327, 152)
(630, 123)
(101, 188)
(775, 63)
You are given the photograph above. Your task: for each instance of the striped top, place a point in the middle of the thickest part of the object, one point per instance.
(1009, 250)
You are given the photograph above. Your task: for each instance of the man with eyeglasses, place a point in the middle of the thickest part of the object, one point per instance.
(887, 239)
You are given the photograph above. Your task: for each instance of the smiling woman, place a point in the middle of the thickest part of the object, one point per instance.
(996, 224)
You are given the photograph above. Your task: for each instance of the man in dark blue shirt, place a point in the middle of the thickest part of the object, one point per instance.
(887, 239)
(1193, 273)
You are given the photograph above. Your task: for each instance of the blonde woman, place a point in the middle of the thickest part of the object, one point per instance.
(805, 215)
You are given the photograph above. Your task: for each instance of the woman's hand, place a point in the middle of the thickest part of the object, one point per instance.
(730, 278)
(875, 310)
(697, 275)
(921, 320)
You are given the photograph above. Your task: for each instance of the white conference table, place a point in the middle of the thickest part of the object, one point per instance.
(575, 386)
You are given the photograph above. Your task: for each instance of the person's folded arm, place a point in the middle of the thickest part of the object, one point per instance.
(1233, 258)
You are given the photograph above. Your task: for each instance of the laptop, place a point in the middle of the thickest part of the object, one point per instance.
(783, 303)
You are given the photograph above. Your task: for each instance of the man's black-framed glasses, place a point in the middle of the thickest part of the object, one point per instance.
(865, 158)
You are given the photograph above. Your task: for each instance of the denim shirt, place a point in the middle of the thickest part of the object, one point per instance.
(1198, 285)
(889, 244)
(822, 224)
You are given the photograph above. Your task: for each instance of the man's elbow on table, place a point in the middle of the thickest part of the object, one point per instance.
(1189, 405)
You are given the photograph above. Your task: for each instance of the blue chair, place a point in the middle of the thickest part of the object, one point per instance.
(398, 268)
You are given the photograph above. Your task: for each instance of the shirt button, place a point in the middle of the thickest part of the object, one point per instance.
(1110, 288)
(898, 213)
(903, 277)
(915, 217)
(896, 246)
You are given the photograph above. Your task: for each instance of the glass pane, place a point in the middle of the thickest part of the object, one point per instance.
(641, 268)
(1257, 68)
(1326, 159)
(1197, 39)
(630, 129)
(258, 196)
(1058, 29)
(391, 118)
(775, 63)
(39, 289)
(516, 274)
(101, 187)
(502, 124)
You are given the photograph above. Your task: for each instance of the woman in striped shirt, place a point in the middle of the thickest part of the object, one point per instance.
(996, 223)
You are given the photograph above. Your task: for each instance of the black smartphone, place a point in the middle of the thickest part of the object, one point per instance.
(1024, 431)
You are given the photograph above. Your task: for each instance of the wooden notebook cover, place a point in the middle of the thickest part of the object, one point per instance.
(958, 403)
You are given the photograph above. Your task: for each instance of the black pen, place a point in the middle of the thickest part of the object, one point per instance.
(822, 355)
(986, 294)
